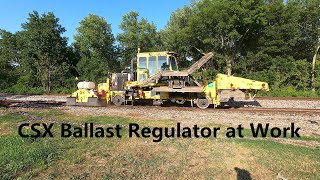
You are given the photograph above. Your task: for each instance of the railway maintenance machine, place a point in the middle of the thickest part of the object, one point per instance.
(154, 78)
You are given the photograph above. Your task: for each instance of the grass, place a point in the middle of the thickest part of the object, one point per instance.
(294, 161)
(11, 118)
(248, 133)
(23, 154)
(107, 120)
(48, 113)
(9, 122)
(140, 158)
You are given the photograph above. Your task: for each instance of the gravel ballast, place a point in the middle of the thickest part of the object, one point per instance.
(262, 103)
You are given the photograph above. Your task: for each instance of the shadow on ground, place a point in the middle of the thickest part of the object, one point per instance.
(238, 104)
(242, 174)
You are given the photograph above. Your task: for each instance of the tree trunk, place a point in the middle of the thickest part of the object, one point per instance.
(229, 67)
(313, 82)
(49, 80)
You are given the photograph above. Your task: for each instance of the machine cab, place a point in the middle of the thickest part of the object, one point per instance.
(150, 63)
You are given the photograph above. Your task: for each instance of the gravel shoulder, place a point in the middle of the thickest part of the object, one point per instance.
(57, 98)
(309, 122)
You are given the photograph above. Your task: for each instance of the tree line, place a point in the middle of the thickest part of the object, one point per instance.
(267, 40)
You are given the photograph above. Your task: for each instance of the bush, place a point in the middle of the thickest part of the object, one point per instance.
(22, 89)
(62, 91)
(17, 88)
(289, 92)
(36, 90)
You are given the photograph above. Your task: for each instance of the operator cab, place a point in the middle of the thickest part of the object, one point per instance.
(150, 63)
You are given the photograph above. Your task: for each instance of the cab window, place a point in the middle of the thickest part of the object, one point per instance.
(142, 77)
(162, 63)
(152, 65)
(142, 62)
(172, 61)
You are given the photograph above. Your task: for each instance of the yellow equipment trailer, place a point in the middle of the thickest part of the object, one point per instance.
(154, 77)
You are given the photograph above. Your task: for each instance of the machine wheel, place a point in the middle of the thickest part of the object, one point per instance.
(202, 103)
(181, 102)
(118, 100)
(157, 102)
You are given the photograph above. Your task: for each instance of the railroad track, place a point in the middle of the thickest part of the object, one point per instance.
(3, 95)
(241, 109)
(288, 98)
(24, 103)
(37, 103)
(278, 110)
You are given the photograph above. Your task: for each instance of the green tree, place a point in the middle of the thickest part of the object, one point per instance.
(309, 38)
(229, 28)
(95, 43)
(175, 36)
(8, 59)
(277, 49)
(65, 76)
(136, 34)
(42, 48)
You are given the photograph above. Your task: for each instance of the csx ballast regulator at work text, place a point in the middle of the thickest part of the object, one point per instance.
(89, 130)
(154, 77)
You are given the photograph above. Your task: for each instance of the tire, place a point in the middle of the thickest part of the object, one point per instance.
(118, 100)
(202, 103)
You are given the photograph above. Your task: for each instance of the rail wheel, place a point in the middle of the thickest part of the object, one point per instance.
(181, 102)
(202, 103)
(118, 100)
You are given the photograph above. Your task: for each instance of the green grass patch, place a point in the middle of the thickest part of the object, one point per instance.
(49, 113)
(248, 133)
(310, 138)
(140, 158)
(280, 148)
(292, 161)
(19, 155)
(107, 120)
(12, 118)
(9, 122)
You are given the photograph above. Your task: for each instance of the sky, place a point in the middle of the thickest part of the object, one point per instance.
(70, 12)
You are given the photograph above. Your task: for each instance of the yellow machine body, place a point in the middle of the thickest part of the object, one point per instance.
(233, 82)
(82, 95)
(210, 90)
(158, 79)
(150, 63)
